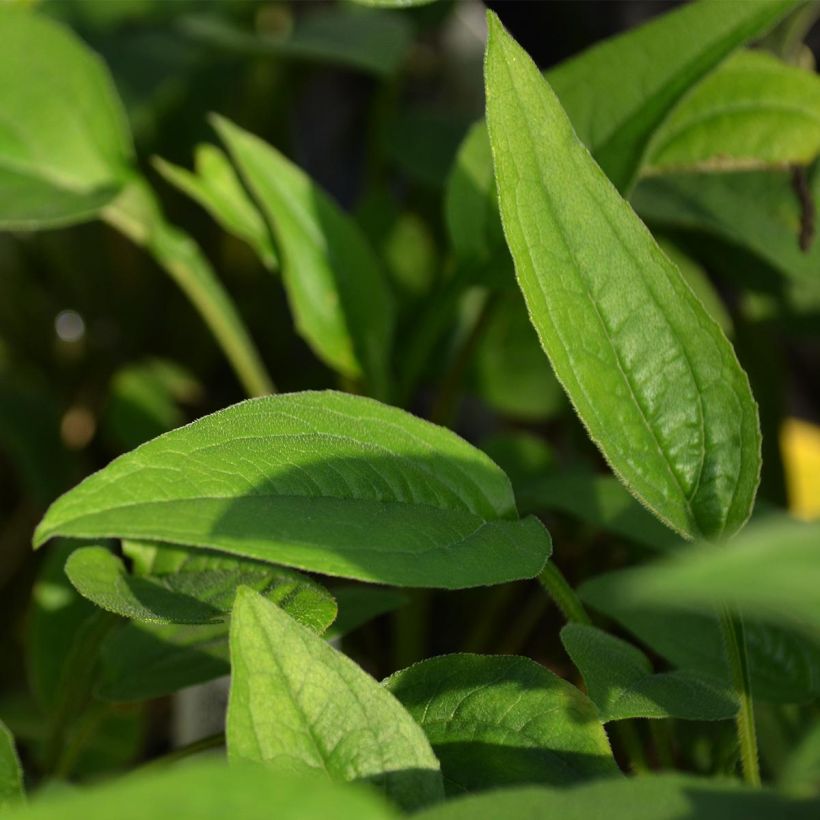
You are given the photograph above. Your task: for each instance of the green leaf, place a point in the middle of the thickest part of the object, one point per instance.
(510, 372)
(373, 41)
(209, 790)
(360, 604)
(650, 797)
(651, 375)
(618, 92)
(501, 721)
(771, 573)
(337, 290)
(753, 111)
(757, 210)
(217, 188)
(298, 704)
(325, 482)
(142, 661)
(11, 775)
(800, 775)
(620, 681)
(598, 500)
(199, 590)
(65, 148)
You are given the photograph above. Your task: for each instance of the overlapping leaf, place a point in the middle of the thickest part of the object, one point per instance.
(650, 373)
(325, 482)
(296, 703)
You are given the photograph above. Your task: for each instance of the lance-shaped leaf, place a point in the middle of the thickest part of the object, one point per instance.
(771, 573)
(337, 290)
(650, 373)
(296, 703)
(621, 682)
(11, 775)
(65, 148)
(326, 482)
(199, 590)
(209, 790)
(217, 188)
(653, 797)
(753, 111)
(498, 721)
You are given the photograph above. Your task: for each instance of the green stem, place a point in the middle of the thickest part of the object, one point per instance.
(563, 594)
(137, 215)
(735, 643)
(632, 744)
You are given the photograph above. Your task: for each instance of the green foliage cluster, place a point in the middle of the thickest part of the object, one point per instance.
(563, 316)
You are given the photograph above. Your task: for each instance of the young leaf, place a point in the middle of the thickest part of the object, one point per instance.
(199, 590)
(337, 290)
(209, 790)
(65, 148)
(620, 681)
(325, 482)
(11, 775)
(757, 210)
(753, 111)
(217, 188)
(650, 373)
(639, 76)
(650, 797)
(771, 573)
(297, 704)
(499, 721)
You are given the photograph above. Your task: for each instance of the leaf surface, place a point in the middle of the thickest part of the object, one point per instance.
(651, 375)
(337, 289)
(65, 148)
(325, 482)
(296, 703)
(209, 790)
(11, 775)
(753, 111)
(199, 589)
(498, 721)
(652, 797)
(621, 682)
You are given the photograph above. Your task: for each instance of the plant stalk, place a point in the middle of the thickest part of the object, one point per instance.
(564, 596)
(137, 215)
(735, 642)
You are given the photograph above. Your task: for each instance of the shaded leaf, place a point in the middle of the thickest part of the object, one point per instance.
(199, 590)
(336, 287)
(11, 775)
(296, 703)
(651, 375)
(65, 148)
(652, 797)
(620, 680)
(500, 721)
(326, 482)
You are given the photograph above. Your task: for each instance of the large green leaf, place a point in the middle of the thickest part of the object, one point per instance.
(620, 681)
(199, 589)
(296, 703)
(216, 186)
(771, 572)
(657, 797)
(753, 111)
(650, 373)
(501, 721)
(209, 790)
(325, 482)
(758, 210)
(11, 775)
(65, 148)
(337, 289)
